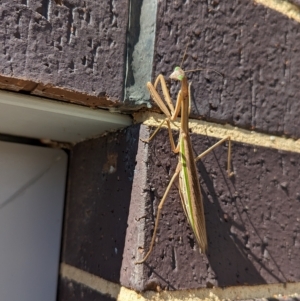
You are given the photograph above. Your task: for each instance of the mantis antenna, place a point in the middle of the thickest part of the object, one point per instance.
(198, 69)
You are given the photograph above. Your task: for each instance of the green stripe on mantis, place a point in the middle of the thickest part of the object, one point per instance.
(186, 190)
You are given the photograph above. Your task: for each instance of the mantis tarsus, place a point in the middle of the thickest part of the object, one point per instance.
(189, 187)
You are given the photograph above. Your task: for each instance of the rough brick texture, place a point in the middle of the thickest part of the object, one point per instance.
(256, 48)
(252, 218)
(74, 51)
(99, 190)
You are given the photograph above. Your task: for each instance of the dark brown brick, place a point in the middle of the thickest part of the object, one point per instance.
(99, 191)
(253, 46)
(252, 220)
(74, 51)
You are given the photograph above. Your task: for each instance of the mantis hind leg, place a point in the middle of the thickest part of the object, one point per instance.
(229, 171)
(159, 213)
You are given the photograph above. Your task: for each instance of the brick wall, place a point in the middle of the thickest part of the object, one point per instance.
(101, 54)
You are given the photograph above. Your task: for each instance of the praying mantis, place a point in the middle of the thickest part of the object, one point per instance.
(186, 171)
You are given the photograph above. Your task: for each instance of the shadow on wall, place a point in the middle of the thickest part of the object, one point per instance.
(241, 225)
(242, 235)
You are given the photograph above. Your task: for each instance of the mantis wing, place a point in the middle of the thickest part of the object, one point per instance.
(190, 193)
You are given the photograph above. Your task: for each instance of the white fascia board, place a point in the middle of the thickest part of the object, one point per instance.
(36, 117)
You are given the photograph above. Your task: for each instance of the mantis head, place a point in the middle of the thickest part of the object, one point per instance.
(178, 74)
